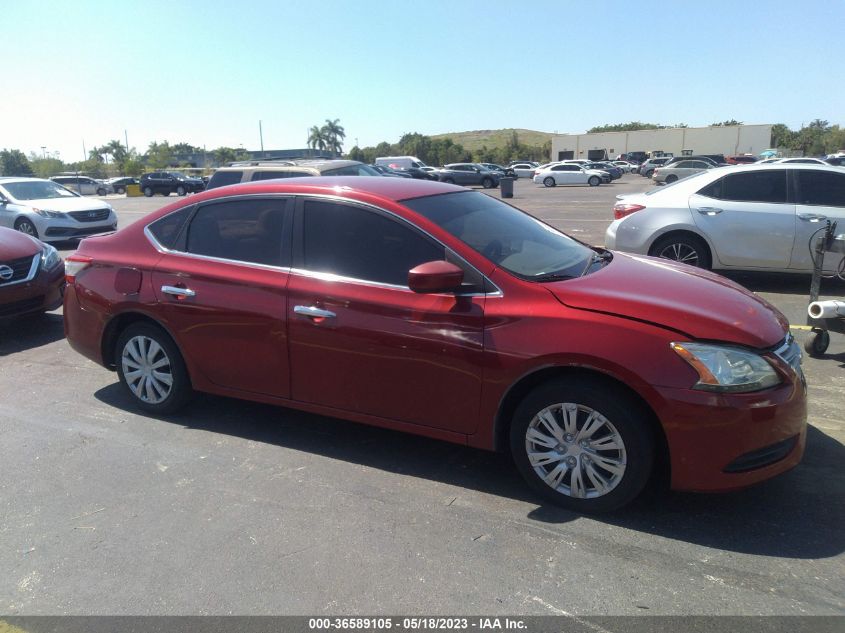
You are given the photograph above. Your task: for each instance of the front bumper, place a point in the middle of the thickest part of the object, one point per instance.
(43, 293)
(61, 229)
(720, 442)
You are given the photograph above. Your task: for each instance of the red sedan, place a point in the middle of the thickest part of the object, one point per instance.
(32, 275)
(428, 308)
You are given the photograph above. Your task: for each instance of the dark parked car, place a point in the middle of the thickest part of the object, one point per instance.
(430, 309)
(469, 174)
(614, 171)
(32, 275)
(506, 171)
(167, 182)
(741, 159)
(384, 170)
(119, 184)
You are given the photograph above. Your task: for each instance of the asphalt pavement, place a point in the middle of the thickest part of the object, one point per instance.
(238, 508)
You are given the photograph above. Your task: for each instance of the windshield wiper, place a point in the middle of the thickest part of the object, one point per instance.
(552, 277)
(606, 256)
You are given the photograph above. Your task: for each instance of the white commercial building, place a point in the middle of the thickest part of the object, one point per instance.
(728, 140)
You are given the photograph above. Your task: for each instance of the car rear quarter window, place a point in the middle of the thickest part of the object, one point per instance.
(823, 188)
(167, 230)
(352, 242)
(240, 230)
(223, 178)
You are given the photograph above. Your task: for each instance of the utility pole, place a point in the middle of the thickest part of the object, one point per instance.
(261, 136)
(43, 151)
(126, 138)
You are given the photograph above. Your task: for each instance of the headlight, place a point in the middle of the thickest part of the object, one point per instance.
(48, 214)
(49, 257)
(727, 369)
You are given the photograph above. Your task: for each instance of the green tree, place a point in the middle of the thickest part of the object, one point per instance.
(625, 127)
(316, 138)
(727, 123)
(782, 136)
(356, 153)
(333, 134)
(185, 148)
(45, 167)
(223, 155)
(13, 162)
(159, 155)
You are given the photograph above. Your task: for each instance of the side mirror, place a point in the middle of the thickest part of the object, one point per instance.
(436, 276)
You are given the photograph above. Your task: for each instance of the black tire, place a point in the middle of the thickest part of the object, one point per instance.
(180, 190)
(166, 193)
(671, 179)
(180, 390)
(450, 181)
(684, 248)
(817, 343)
(488, 183)
(148, 192)
(25, 226)
(625, 421)
(649, 173)
(594, 181)
(548, 181)
(120, 190)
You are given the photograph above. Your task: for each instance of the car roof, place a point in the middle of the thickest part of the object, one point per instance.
(4, 179)
(393, 189)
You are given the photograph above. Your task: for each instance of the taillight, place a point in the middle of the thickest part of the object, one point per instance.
(74, 265)
(622, 210)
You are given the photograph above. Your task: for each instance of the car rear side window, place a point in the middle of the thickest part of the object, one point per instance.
(270, 175)
(223, 178)
(821, 188)
(352, 242)
(240, 230)
(749, 186)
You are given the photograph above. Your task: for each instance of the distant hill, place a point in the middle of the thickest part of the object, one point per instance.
(494, 138)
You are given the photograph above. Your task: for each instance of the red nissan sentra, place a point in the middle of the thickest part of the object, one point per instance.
(432, 309)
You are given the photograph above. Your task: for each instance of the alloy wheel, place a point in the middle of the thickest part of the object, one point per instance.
(680, 252)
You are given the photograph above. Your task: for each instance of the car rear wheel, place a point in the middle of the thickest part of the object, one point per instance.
(670, 179)
(25, 226)
(649, 173)
(120, 190)
(582, 444)
(451, 181)
(101, 192)
(148, 192)
(488, 183)
(686, 249)
(594, 181)
(151, 369)
(549, 181)
(180, 190)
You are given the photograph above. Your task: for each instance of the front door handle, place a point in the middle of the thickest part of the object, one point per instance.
(709, 210)
(313, 312)
(812, 217)
(179, 293)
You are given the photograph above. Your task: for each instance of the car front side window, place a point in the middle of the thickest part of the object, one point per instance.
(361, 244)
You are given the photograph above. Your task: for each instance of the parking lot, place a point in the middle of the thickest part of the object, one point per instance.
(239, 508)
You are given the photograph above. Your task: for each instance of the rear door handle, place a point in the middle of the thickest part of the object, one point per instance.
(812, 217)
(313, 312)
(709, 210)
(178, 292)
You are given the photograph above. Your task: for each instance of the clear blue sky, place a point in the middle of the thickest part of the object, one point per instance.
(206, 72)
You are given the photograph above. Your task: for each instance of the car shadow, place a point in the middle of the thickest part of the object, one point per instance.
(786, 283)
(30, 331)
(791, 516)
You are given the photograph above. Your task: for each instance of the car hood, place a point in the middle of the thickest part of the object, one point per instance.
(14, 245)
(695, 302)
(65, 204)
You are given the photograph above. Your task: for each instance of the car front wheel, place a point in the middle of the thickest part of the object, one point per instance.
(148, 192)
(582, 444)
(25, 226)
(594, 181)
(180, 190)
(549, 181)
(151, 369)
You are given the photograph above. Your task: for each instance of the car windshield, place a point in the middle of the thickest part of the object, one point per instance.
(36, 190)
(510, 238)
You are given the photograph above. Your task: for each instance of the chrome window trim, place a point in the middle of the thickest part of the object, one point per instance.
(340, 199)
(33, 270)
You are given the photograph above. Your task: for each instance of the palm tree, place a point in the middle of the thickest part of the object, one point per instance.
(334, 134)
(316, 138)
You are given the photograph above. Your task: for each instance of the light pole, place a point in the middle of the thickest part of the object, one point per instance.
(43, 151)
